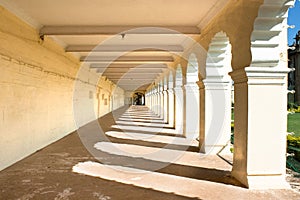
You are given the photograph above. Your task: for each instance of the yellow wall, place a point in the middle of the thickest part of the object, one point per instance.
(39, 89)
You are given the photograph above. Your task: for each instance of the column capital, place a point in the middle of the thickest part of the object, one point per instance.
(178, 88)
(170, 91)
(191, 86)
(214, 84)
(200, 84)
(261, 75)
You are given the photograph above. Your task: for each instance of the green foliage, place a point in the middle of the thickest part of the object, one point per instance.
(293, 143)
(232, 138)
(293, 108)
(293, 140)
(293, 164)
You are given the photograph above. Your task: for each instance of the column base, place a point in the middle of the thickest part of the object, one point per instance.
(191, 135)
(261, 181)
(216, 149)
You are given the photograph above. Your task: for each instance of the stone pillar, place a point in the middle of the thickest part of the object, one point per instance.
(156, 103)
(192, 113)
(166, 106)
(215, 115)
(260, 127)
(146, 99)
(171, 113)
(179, 109)
(161, 105)
(151, 100)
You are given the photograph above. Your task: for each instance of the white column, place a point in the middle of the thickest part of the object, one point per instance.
(151, 99)
(143, 100)
(215, 115)
(148, 100)
(158, 104)
(171, 113)
(192, 114)
(155, 103)
(161, 103)
(166, 106)
(260, 127)
(179, 109)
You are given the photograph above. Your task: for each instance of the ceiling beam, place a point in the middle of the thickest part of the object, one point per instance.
(132, 77)
(133, 84)
(124, 48)
(128, 66)
(128, 73)
(126, 59)
(117, 30)
(157, 71)
(142, 76)
(129, 79)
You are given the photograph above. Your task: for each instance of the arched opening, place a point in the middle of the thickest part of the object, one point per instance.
(165, 96)
(138, 99)
(179, 100)
(216, 97)
(192, 70)
(178, 76)
(171, 95)
(160, 98)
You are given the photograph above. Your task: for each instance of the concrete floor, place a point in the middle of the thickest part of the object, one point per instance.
(131, 155)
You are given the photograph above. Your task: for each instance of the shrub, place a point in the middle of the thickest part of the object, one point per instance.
(294, 108)
(293, 143)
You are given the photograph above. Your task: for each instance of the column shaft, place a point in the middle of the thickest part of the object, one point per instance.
(260, 128)
(171, 113)
(215, 115)
(179, 109)
(192, 114)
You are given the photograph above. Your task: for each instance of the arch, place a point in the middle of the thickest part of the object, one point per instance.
(191, 108)
(171, 80)
(171, 99)
(219, 57)
(267, 46)
(165, 82)
(196, 56)
(192, 69)
(179, 99)
(178, 76)
(215, 96)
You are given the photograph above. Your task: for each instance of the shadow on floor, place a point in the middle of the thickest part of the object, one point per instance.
(212, 175)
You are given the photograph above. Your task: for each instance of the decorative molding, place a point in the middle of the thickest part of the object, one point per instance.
(117, 30)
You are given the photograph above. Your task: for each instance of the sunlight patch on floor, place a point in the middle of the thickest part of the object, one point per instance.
(140, 123)
(141, 120)
(153, 180)
(152, 138)
(142, 128)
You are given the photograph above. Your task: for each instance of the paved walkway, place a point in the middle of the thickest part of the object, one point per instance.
(127, 154)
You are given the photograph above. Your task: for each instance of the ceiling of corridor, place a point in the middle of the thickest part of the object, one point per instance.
(110, 35)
